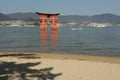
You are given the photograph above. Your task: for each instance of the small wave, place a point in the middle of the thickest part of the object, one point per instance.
(76, 28)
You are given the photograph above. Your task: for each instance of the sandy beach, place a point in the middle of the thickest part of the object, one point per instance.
(68, 66)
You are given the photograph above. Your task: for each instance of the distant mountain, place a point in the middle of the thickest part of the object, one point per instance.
(70, 18)
(74, 18)
(106, 18)
(4, 17)
(23, 16)
(102, 18)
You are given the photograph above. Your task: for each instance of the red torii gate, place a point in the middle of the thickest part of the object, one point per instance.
(46, 16)
(53, 21)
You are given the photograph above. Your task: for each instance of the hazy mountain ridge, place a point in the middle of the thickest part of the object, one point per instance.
(30, 16)
(23, 16)
(4, 17)
(107, 18)
(102, 18)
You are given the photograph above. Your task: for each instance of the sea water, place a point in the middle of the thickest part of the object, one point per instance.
(67, 39)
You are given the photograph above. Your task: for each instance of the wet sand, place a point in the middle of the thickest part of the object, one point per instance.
(93, 58)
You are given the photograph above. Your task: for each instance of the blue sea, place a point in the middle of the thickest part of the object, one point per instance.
(67, 39)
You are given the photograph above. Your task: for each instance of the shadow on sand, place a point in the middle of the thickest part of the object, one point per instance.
(13, 71)
(22, 71)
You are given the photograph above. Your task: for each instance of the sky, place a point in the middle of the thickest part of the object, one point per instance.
(65, 7)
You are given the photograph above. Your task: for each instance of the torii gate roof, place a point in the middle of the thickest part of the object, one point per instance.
(48, 14)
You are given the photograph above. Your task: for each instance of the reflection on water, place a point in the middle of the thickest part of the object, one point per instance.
(53, 38)
(43, 37)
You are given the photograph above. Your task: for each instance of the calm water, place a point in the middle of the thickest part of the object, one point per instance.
(83, 40)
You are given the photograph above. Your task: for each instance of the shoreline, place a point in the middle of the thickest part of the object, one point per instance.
(66, 56)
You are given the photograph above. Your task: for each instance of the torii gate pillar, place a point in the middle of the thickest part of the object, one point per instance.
(51, 17)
